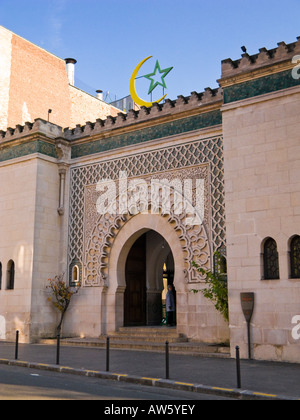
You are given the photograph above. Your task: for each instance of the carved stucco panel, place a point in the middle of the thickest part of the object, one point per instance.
(198, 159)
(100, 231)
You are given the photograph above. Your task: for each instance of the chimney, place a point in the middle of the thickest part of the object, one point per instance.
(99, 94)
(70, 62)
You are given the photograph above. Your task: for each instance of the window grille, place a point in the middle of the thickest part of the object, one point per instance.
(11, 275)
(295, 257)
(271, 260)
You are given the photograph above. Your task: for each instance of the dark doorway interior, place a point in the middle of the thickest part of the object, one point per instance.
(135, 293)
(149, 270)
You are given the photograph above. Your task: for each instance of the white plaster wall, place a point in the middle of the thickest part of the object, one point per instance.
(17, 210)
(262, 192)
(47, 248)
(31, 236)
(2, 328)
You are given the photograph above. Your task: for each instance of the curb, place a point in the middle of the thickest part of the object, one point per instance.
(155, 382)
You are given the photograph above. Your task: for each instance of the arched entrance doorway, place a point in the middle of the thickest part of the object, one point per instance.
(149, 270)
(113, 296)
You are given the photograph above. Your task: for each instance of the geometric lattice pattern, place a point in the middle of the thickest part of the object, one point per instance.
(207, 151)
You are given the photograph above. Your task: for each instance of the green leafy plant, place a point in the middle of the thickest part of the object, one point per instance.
(217, 290)
(61, 296)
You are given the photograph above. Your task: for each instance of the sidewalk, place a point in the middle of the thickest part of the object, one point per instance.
(275, 379)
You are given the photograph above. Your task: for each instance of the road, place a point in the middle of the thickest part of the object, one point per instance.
(17, 383)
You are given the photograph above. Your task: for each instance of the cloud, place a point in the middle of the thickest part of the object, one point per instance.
(56, 21)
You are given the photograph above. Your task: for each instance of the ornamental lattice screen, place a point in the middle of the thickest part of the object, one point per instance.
(202, 159)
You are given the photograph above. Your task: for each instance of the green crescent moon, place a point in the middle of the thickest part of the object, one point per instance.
(132, 88)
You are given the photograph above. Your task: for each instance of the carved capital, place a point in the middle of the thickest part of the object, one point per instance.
(63, 150)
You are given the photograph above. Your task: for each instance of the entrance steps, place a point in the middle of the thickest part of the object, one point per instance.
(151, 339)
(148, 334)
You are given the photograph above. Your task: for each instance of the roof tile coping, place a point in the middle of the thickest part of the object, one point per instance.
(247, 63)
(206, 98)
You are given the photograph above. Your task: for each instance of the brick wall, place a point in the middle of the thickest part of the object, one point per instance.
(5, 62)
(38, 82)
(32, 81)
(85, 107)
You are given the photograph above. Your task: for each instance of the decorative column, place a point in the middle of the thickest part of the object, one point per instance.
(63, 151)
(62, 186)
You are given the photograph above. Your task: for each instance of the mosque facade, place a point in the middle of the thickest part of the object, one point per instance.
(124, 203)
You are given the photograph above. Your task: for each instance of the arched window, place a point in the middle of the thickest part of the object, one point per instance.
(295, 257)
(220, 262)
(75, 273)
(10, 277)
(271, 260)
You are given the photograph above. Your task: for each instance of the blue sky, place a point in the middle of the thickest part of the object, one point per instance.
(110, 37)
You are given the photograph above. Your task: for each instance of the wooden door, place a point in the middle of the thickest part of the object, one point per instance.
(135, 293)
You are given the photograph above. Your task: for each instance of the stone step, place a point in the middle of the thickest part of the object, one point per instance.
(149, 330)
(172, 331)
(147, 338)
(148, 334)
(188, 348)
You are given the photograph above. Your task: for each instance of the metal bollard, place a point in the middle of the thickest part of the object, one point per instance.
(17, 345)
(107, 354)
(249, 339)
(238, 368)
(167, 361)
(58, 349)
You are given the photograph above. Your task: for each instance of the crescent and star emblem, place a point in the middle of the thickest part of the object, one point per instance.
(154, 82)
